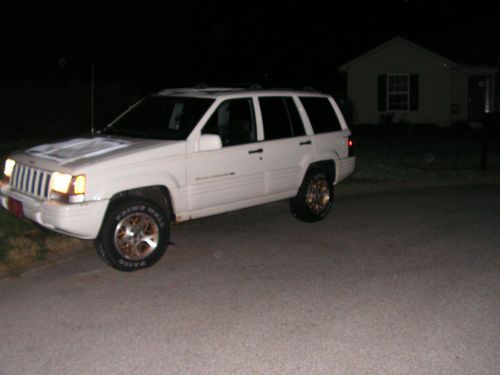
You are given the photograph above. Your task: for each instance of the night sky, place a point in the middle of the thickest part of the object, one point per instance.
(232, 41)
(294, 44)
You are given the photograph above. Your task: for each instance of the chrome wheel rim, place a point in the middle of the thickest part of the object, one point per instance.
(136, 236)
(318, 195)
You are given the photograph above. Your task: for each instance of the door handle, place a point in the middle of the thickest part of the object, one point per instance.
(257, 151)
(305, 143)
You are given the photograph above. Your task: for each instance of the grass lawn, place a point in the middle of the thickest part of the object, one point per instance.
(380, 158)
(23, 243)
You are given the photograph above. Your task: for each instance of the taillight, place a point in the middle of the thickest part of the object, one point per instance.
(350, 146)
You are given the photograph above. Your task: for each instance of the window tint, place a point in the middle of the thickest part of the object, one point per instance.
(234, 122)
(281, 118)
(321, 114)
(161, 117)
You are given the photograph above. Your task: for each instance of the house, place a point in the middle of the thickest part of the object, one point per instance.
(400, 81)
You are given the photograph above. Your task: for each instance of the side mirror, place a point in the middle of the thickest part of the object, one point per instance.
(209, 142)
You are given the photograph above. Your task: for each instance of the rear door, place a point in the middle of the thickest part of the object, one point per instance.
(287, 148)
(330, 137)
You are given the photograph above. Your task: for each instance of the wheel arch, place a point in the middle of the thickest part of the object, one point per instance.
(328, 166)
(157, 194)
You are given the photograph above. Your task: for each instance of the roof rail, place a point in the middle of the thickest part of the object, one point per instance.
(198, 88)
(202, 88)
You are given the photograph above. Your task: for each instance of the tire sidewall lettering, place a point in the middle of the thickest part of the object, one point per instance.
(106, 246)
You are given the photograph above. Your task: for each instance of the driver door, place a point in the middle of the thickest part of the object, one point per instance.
(235, 173)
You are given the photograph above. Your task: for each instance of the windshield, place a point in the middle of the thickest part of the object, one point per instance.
(160, 117)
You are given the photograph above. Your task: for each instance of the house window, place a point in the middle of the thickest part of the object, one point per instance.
(398, 93)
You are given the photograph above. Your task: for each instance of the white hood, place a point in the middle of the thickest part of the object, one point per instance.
(74, 154)
(78, 148)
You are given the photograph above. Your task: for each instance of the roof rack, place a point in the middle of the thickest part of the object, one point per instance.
(202, 88)
(197, 88)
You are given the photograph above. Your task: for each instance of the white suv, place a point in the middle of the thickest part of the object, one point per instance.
(178, 155)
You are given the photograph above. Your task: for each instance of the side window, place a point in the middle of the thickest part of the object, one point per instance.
(281, 118)
(321, 114)
(234, 122)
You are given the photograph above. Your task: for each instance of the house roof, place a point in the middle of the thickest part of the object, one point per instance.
(397, 40)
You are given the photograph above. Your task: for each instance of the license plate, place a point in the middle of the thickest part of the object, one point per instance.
(15, 207)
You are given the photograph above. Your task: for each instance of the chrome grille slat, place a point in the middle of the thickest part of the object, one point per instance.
(15, 175)
(47, 181)
(33, 182)
(30, 181)
(23, 173)
(39, 184)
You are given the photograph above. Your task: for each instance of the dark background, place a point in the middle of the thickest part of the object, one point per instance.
(48, 49)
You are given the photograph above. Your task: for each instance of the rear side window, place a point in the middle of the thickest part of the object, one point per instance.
(281, 118)
(321, 114)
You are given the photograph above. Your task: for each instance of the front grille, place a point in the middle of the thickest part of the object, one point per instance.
(31, 181)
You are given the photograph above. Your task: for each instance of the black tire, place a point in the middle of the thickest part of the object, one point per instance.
(314, 198)
(134, 235)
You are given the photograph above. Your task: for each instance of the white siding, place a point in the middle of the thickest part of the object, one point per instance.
(434, 84)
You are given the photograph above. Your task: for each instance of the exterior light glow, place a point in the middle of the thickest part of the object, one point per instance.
(67, 188)
(79, 185)
(60, 182)
(9, 167)
(350, 146)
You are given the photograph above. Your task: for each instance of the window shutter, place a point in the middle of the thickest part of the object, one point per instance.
(414, 92)
(382, 92)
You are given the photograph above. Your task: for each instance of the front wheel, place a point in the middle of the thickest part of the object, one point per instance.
(314, 198)
(134, 235)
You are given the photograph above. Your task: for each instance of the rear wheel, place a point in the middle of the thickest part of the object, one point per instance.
(134, 235)
(314, 198)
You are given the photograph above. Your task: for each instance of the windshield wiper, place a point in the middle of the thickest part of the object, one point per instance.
(126, 132)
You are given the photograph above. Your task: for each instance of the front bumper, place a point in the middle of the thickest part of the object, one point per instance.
(81, 220)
